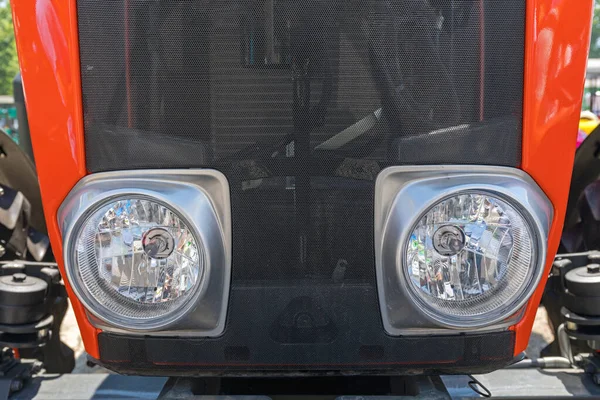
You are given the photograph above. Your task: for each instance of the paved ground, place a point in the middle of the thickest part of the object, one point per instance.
(541, 336)
(69, 334)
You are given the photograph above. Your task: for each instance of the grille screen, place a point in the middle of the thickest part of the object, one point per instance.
(210, 83)
(300, 104)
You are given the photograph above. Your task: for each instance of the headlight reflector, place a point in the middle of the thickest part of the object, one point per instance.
(139, 259)
(470, 255)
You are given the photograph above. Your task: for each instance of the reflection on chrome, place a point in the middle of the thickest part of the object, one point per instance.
(140, 249)
(496, 251)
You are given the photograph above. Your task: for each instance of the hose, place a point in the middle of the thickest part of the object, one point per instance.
(543, 362)
(564, 343)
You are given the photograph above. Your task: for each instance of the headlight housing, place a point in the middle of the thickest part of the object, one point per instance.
(459, 247)
(150, 250)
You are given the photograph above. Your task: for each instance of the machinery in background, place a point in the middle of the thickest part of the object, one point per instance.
(33, 300)
(572, 300)
(581, 231)
(572, 295)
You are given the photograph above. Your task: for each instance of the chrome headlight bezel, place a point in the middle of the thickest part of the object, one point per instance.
(201, 199)
(404, 195)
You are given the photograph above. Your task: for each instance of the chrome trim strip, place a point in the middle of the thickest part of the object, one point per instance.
(403, 194)
(202, 198)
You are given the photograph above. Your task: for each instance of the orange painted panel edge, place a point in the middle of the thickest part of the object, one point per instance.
(556, 49)
(47, 45)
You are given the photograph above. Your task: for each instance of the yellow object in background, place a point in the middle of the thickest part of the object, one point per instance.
(588, 121)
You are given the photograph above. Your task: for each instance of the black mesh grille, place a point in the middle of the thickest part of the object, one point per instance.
(301, 104)
(209, 83)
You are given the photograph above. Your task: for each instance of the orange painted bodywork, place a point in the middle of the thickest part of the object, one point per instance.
(47, 45)
(556, 49)
(557, 41)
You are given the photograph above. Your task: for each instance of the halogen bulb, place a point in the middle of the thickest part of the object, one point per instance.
(470, 254)
(449, 240)
(158, 243)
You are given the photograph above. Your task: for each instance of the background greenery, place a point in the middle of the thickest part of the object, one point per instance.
(8, 53)
(595, 45)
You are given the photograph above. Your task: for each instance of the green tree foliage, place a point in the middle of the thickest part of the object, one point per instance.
(8, 53)
(595, 44)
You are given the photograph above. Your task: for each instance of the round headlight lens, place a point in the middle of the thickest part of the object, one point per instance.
(138, 259)
(470, 256)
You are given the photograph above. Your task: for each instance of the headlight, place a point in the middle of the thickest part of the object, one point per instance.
(139, 258)
(150, 251)
(460, 247)
(470, 255)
